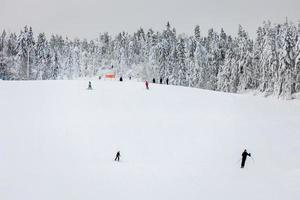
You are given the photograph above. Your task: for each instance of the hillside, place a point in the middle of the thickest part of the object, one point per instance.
(58, 141)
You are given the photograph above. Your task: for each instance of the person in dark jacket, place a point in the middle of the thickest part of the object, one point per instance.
(244, 157)
(160, 80)
(167, 81)
(121, 79)
(153, 80)
(147, 85)
(90, 85)
(118, 156)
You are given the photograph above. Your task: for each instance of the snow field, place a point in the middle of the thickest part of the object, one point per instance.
(58, 141)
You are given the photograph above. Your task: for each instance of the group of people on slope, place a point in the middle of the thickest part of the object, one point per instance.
(121, 79)
(161, 81)
(245, 154)
(153, 81)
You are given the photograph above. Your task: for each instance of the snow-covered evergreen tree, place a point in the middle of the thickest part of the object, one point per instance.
(41, 54)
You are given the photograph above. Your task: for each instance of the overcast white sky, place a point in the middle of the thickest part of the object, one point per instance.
(86, 18)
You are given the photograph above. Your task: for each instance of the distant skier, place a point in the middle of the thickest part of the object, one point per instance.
(90, 86)
(167, 81)
(244, 157)
(147, 85)
(129, 77)
(118, 156)
(160, 81)
(121, 79)
(153, 80)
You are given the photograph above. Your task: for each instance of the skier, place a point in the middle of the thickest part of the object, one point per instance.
(118, 156)
(147, 85)
(153, 80)
(90, 86)
(121, 79)
(167, 81)
(160, 80)
(244, 157)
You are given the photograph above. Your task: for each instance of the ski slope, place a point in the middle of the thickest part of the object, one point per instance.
(58, 141)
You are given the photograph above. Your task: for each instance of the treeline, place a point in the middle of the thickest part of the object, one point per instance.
(215, 61)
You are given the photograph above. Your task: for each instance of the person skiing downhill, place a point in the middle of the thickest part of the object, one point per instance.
(244, 157)
(118, 156)
(90, 85)
(147, 85)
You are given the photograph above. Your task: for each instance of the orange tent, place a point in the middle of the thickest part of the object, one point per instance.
(109, 76)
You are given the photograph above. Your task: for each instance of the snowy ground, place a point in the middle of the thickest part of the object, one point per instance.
(58, 141)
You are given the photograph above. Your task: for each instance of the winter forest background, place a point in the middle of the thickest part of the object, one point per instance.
(216, 61)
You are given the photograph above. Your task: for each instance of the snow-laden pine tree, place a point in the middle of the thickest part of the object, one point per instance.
(25, 48)
(201, 62)
(3, 56)
(288, 56)
(244, 55)
(42, 56)
(190, 61)
(227, 77)
(182, 78)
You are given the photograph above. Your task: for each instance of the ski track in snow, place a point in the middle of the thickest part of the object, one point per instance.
(58, 141)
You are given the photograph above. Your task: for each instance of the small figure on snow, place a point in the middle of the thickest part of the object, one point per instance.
(167, 81)
(160, 81)
(121, 79)
(118, 156)
(153, 80)
(90, 86)
(129, 77)
(147, 85)
(244, 157)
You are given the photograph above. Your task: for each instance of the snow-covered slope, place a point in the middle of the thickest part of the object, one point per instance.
(58, 141)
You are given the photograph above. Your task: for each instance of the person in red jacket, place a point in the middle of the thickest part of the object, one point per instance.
(147, 85)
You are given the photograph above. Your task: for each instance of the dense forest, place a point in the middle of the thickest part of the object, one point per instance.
(269, 63)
